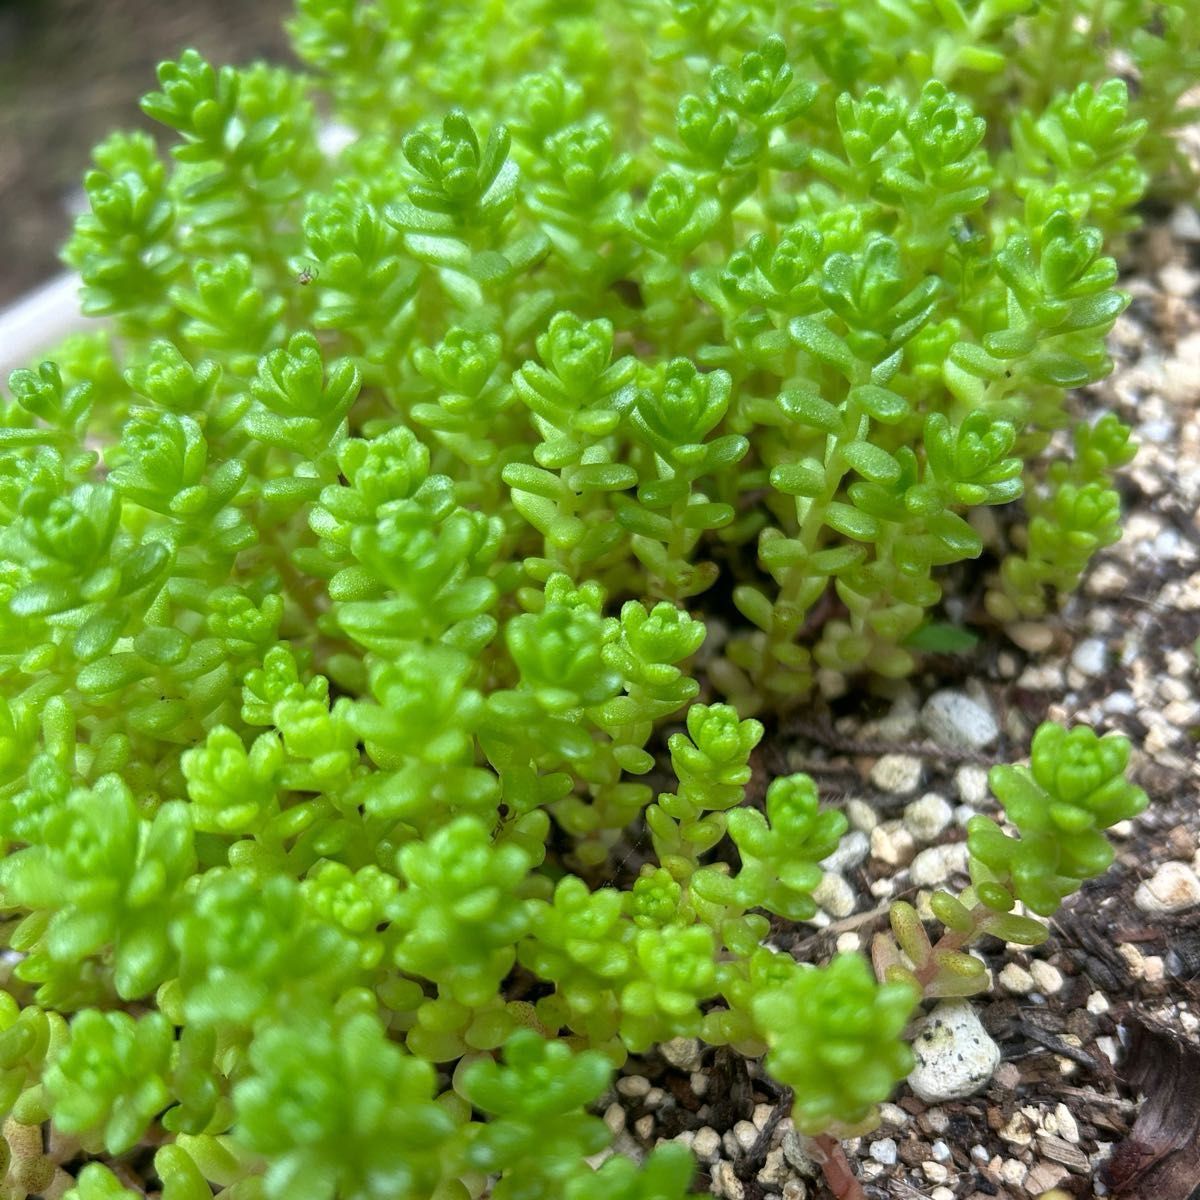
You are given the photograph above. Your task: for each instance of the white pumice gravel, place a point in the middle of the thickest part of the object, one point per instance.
(897, 774)
(1173, 888)
(955, 1055)
(928, 817)
(957, 722)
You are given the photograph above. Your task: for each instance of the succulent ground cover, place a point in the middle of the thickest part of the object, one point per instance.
(376, 784)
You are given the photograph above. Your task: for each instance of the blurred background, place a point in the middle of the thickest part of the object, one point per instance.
(70, 71)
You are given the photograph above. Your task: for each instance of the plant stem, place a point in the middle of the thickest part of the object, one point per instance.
(835, 1166)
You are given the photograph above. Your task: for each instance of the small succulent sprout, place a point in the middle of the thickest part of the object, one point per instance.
(675, 972)
(341, 1110)
(1074, 789)
(461, 915)
(834, 1037)
(780, 852)
(539, 1129)
(108, 1080)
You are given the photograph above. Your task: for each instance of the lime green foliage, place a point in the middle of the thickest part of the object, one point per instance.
(833, 1035)
(1059, 806)
(353, 578)
(1074, 789)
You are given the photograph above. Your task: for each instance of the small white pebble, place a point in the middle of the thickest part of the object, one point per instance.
(746, 1134)
(682, 1052)
(644, 1126)
(955, 721)
(891, 843)
(1047, 976)
(1173, 888)
(1090, 656)
(834, 895)
(861, 815)
(892, 1114)
(633, 1085)
(940, 1151)
(936, 1120)
(849, 943)
(972, 784)
(897, 774)
(941, 1193)
(884, 1151)
(1016, 980)
(928, 817)
(699, 1082)
(1013, 1172)
(1068, 1127)
(1134, 959)
(1097, 1003)
(938, 863)
(707, 1144)
(726, 1183)
(935, 1172)
(1153, 969)
(761, 1115)
(852, 850)
(654, 1098)
(1109, 1048)
(774, 1171)
(614, 1118)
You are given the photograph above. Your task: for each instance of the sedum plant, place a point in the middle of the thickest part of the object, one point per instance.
(356, 572)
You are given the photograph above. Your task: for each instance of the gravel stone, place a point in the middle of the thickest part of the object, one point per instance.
(955, 1056)
(972, 784)
(1043, 1177)
(1032, 636)
(794, 1152)
(726, 1183)
(774, 1172)
(746, 1134)
(1090, 657)
(938, 863)
(1047, 976)
(1068, 1127)
(897, 774)
(682, 1052)
(935, 1172)
(1013, 1172)
(834, 895)
(956, 722)
(892, 844)
(614, 1118)
(852, 850)
(1015, 979)
(861, 815)
(633, 1085)
(928, 817)
(1173, 888)
(884, 1151)
(707, 1144)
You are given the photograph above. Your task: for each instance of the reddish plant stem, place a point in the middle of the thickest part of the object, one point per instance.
(835, 1166)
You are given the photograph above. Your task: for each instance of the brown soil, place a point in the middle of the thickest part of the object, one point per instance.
(71, 71)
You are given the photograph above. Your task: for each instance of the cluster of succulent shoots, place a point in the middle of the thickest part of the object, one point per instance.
(356, 572)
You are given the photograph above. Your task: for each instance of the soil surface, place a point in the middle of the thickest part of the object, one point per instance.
(1098, 1090)
(71, 71)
